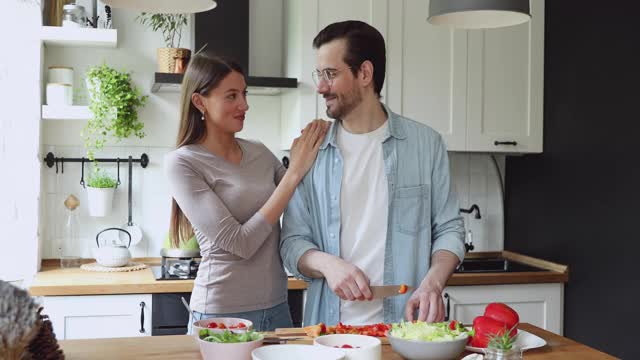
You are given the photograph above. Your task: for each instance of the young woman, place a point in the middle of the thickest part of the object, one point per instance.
(231, 193)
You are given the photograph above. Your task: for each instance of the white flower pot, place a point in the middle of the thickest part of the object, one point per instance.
(100, 201)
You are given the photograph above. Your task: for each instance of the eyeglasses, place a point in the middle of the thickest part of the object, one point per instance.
(327, 75)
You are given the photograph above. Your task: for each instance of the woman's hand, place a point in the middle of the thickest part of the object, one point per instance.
(305, 148)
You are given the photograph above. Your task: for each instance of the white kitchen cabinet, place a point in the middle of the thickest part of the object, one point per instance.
(102, 316)
(427, 71)
(538, 304)
(506, 75)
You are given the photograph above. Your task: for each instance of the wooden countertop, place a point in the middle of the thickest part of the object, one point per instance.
(185, 347)
(549, 272)
(54, 281)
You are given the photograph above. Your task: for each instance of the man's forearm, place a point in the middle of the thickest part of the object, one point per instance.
(443, 264)
(311, 263)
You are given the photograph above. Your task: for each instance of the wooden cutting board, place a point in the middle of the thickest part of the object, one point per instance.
(299, 332)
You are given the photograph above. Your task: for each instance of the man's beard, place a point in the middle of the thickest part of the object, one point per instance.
(344, 104)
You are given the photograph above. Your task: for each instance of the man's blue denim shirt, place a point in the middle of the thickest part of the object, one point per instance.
(423, 215)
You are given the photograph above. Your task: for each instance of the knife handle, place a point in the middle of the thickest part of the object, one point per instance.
(448, 307)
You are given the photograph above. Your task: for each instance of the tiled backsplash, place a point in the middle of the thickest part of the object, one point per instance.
(477, 182)
(151, 203)
(474, 178)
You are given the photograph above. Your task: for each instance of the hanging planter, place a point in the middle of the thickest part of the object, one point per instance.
(100, 190)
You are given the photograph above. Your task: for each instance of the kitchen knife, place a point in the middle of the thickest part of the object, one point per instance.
(384, 291)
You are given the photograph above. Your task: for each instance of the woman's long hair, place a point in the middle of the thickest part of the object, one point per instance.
(204, 73)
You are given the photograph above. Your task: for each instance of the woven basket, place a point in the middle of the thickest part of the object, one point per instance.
(167, 58)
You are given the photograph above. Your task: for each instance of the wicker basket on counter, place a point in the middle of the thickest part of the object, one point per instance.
(167, 58)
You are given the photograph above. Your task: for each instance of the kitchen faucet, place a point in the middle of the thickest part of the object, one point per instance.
(471, 209)
(468, 244)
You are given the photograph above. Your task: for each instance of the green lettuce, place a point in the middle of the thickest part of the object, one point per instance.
(423, 331)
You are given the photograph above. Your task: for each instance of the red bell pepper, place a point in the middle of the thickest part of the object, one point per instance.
(485, 328)
(502, 313)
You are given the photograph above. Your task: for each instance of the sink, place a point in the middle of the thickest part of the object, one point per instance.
(493, 265)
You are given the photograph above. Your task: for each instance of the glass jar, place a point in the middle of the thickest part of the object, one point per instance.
(495, 354)
(74, 16)
(70, 248)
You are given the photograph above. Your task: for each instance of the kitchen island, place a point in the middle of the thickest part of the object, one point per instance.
(185, 347)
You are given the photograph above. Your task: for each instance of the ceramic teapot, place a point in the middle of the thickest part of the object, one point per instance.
(113, 254)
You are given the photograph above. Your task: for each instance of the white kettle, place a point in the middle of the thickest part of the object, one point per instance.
(112, 255)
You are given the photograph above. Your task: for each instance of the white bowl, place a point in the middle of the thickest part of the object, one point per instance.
(364, 347)
(427, 350)
(227, 321)
(231, 351)
(297, 352)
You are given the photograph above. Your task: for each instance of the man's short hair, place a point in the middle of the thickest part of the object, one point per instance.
(363, 41)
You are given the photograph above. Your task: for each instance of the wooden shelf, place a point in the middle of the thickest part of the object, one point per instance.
(65, 112)
(79, 37)
(257, 85)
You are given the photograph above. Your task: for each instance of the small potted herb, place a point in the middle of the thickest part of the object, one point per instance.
(100, 189)
(503, 347)
(171, 26)
(114, 103)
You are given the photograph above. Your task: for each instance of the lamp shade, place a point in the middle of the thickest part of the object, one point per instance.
(478, 14)
(164, 6)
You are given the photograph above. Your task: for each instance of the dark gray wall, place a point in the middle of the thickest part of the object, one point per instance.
(577, 203)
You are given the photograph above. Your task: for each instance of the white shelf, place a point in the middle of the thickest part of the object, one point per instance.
(65, 112)
(81, 37)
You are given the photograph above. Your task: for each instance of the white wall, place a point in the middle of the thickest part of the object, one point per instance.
(473, 174)
(19, 138)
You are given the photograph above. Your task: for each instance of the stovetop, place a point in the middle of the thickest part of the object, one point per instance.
(176, 269)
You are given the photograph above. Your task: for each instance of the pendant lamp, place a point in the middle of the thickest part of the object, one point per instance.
(164, 6)
(478, 14)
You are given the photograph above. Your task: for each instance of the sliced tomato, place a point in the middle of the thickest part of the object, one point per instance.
(212, 325)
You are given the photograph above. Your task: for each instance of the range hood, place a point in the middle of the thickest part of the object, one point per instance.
(226, 30)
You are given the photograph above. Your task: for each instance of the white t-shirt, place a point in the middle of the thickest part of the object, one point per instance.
(364, 206)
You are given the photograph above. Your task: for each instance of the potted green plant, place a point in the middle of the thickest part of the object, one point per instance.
(100, 189)
(114, 103)
(171, 26)
(503, 347)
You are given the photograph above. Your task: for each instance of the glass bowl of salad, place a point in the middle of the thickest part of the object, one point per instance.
(233, 346)
(428, 341)
(355, 347)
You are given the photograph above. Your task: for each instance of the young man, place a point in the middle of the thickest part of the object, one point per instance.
(378, 205)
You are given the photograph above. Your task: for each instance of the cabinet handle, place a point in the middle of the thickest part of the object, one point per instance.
(142, 304)
(448, 307)
(496, 143)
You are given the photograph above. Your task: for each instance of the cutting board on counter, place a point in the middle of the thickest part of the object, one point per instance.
(303, 337)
